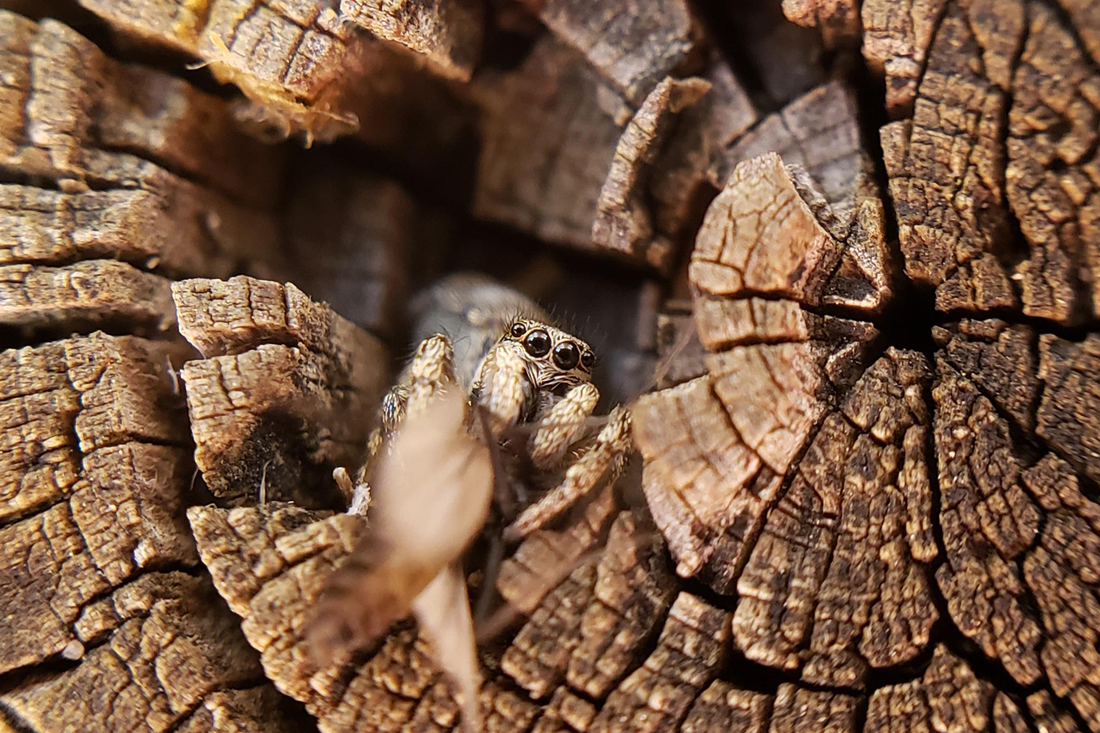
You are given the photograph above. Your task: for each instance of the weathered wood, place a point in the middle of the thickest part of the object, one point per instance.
(351, 239)
(303, 68)
(276, 365)
(868, 491)
(546, 145)
(632, 44)
(837, 20)
(447, 32)
(622, 222)
(165, 655)
(64, 102)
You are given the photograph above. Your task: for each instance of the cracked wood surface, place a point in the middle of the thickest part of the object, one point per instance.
(868, 491)
(276, 366)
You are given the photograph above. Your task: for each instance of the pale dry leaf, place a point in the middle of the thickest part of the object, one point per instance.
(443, 613)
(430, 497)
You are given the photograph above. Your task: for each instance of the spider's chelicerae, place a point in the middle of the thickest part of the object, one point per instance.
(528, 385)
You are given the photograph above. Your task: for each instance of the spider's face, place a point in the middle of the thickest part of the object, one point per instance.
(556, 360)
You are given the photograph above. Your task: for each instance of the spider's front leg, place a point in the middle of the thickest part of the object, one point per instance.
(430, 371)
(601, 463)
(502, 388)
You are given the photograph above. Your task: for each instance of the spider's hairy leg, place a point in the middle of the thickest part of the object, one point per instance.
(561, 426)
(602, 462)
(430, 372)
(502, 387)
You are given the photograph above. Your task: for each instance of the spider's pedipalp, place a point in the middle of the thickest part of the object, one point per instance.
(601, 462)
(561, 426)
(503, 387)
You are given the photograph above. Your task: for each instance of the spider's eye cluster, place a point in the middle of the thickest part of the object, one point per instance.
(566, 355)
(537, 343)
(518, 329)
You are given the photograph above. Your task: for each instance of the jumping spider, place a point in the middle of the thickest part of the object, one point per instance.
(532, 393)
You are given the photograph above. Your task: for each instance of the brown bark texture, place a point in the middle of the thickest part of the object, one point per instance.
(841, 258)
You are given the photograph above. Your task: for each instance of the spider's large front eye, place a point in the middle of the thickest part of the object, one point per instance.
(518, 329)
(566, 355)
(537, 343)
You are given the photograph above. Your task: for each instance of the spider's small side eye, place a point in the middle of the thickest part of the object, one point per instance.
(537, 343)
(588, 359)
(518, 329)
(566, 355)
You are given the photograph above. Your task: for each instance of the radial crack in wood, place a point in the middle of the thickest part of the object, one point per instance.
(947, 695)
(92, 483)
(169, 648)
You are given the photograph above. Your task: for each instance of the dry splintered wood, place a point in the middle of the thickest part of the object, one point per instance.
(66, 106)
(270, 563)
(94, 466)
(284, 393)
(153, 656)
(165, 224)
(819, 131)
(955, 213)
(623, 222)
(837, 20)
(632, 43)
(757, 403)
(448, 33)
(84, 296)
(547, 144)
(847, 518)
(303, 67)
(568, 160)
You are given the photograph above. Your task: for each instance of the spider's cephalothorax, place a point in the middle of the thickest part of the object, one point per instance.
(556, 360)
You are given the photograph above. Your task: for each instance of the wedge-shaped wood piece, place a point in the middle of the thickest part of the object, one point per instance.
(156, 651)
(770, 234)
(447, 33)
(896, 37)
(304, 70)
(854, 523)
(632, 44)
(820, 132)
(285, 393)
(623, 221)
(953, 216)
(548, 556)
(988, 520)
(270, 564)
(1052, 176)
(161, 223)
(633, 591)
(84, 297)
(1061, 573)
